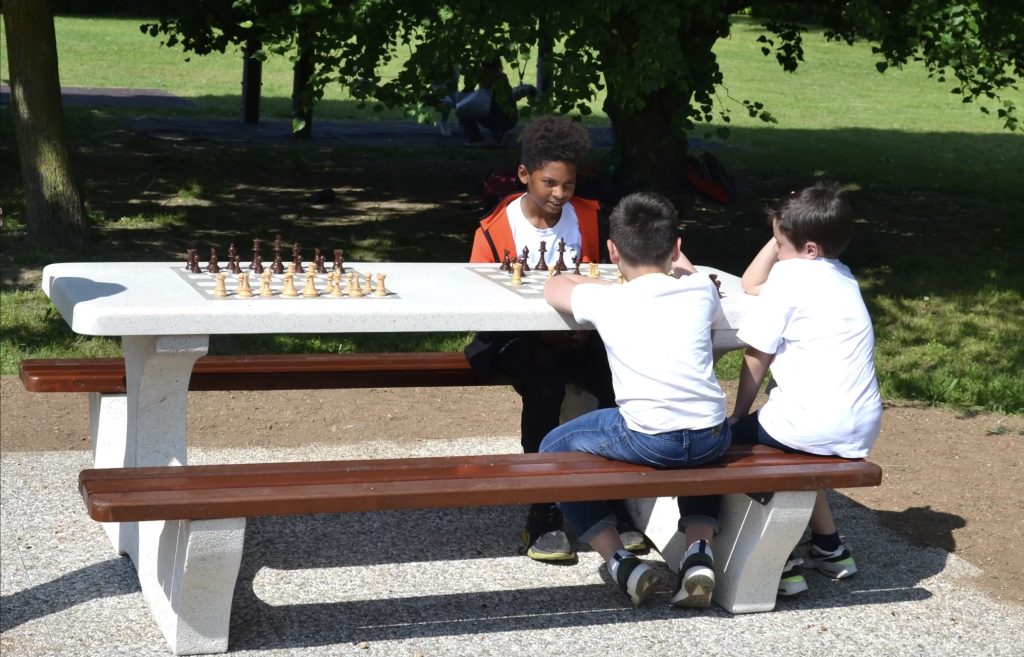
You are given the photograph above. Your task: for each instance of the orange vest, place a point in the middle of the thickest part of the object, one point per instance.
(494, 235)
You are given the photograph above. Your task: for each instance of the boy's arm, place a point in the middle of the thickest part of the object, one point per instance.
(682, 266)
(558, 290)
(759, 268)
(755, 368)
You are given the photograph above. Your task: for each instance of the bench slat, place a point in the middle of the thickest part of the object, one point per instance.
(265, 372)
(241, 490)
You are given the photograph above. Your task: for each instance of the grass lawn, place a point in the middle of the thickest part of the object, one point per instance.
(937, 188)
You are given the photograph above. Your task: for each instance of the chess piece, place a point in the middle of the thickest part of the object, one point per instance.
(297, 259)
(517, 274)
(381, 291)
(257, 254)
(289, 286)
(232, 252)
(291, 268)
(551, 272)
(353, 285)
(233, 265)
(220, 288)
(369, 284)
(212, 266)
(335, 278)
(257, 263)
(339, 264)
(621, 279)
(594, 271)
(526, 259)
(318, 258)
(265, 289)
(541, 265)
(506, 262)
(576, 261)
(310, 289)
(277, 267)
(718, 283)
(188, 259)
(243, 290)
(560, 265)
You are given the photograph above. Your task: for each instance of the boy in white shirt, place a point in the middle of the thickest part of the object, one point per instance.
(670, 409)
(810, 327)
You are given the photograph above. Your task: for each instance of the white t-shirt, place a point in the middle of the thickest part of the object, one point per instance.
(526, 234)
(657, 331)
(810, 314)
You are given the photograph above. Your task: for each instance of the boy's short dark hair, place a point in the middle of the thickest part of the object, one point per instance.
(818, 214)
(644, 228)
(553, 139)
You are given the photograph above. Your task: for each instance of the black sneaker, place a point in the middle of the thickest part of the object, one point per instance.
(545, 540)
(635, 578)
(792, 581)
(696, 580)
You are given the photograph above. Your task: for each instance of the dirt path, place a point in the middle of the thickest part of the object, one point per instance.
(950, 481)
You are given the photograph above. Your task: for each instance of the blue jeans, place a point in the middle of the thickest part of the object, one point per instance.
(705, 508)
(604, 432)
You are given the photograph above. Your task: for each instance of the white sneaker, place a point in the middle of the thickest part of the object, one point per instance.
(696, 580)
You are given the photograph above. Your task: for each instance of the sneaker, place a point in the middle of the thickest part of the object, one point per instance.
(837, 565)
(792, 581)
(545, 540)
(635, 578)
(696, 579)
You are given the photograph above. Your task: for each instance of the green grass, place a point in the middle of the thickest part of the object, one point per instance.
(937, 185)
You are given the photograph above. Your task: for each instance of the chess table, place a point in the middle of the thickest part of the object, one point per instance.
(164, 320)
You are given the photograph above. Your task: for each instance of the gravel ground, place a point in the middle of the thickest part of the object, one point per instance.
(451, 582)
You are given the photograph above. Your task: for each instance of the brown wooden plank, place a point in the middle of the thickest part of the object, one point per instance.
(390, 470)
(265, 372)
(345, 497)
(120, 494)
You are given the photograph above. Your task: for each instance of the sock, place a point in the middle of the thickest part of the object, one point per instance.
(617, 556)
(698, 546)
(826, 542)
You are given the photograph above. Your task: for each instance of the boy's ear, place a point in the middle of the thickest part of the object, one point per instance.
(523, 173)
(811, 251)
(613, 253)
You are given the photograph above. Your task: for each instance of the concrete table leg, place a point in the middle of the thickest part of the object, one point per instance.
(145, 426)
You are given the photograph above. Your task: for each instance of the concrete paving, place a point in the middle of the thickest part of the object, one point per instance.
(453, 582)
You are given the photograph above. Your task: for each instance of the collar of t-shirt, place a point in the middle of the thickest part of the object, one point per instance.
(527, 235)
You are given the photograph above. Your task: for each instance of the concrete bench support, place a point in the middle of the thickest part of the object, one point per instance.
(188, 570)
(751, 550)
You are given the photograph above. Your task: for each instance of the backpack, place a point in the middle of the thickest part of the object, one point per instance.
(707, 175)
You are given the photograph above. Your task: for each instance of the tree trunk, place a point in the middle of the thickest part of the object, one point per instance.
(252, 82)
(650, 144)
(302, 103)
(54, 212)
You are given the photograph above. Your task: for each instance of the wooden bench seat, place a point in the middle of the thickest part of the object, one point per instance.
(203, 492)
(265, 372)
(198, 546)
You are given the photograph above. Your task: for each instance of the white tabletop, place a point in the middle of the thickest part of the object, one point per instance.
(146, 298)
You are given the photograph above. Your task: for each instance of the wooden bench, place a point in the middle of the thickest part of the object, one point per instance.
(188, 578)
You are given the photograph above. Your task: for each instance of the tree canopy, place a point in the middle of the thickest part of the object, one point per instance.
(653, 58)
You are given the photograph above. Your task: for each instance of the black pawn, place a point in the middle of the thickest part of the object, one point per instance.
(277, 267)
(297, 258)
(257, 263)
(212, 266)
(339, 263)
(526, 259)
(506, 262)
(576, 261)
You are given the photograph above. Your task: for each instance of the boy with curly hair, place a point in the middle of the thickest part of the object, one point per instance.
(540, 364)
